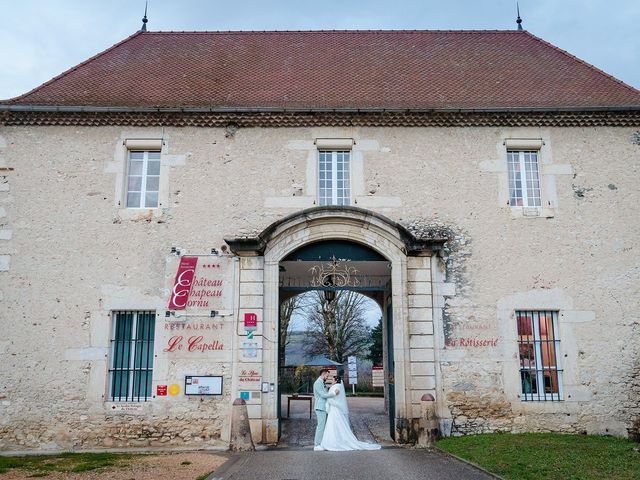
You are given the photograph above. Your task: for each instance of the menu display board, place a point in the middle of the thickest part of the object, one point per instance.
(206, 385)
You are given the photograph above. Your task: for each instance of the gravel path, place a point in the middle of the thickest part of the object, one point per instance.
(183, 466)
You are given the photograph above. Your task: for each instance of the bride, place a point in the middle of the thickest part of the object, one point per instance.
(337, 432)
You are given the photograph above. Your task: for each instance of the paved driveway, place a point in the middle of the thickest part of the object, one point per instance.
(296, 460)
(305, 464)
(369, 422)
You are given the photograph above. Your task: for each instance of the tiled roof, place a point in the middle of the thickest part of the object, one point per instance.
(420, 70)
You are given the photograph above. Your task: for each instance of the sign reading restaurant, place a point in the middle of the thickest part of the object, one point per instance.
(198, 288)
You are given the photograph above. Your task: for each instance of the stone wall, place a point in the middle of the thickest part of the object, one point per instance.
(74, 254)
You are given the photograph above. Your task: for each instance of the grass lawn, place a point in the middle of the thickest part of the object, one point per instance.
(42, 465)
(537, 456)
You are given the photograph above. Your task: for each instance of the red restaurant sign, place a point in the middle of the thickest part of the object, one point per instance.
(183, 283)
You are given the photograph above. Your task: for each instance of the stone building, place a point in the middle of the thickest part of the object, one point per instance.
(159, 200)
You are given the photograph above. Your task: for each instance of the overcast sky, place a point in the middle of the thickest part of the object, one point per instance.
(39, 39)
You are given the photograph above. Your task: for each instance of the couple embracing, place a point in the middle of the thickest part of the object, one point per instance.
(333, 431)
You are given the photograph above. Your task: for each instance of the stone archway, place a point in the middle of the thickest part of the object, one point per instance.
(357, 225)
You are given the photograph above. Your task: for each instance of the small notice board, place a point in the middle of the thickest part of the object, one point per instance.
(353, 370)
(206, 385)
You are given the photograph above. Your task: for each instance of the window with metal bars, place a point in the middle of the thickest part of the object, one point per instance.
(539, 347)
(524, 179)
(334, 179)
(131, 367)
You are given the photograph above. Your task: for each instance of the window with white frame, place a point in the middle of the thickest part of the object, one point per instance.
(524, 178)
(131, 366)
(143, 179)
(538, 351)
(334, 178)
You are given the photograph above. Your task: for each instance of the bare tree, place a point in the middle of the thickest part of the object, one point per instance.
(287, 309)
(337, 327)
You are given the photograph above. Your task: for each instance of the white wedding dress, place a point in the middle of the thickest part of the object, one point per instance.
(337, 432)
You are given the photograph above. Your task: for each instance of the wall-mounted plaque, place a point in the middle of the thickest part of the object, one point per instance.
(207, 385)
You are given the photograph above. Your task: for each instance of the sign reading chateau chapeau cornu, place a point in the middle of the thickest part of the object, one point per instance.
(475, 185)
(200, 286)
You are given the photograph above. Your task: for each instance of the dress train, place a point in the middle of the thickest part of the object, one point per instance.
(337, 432)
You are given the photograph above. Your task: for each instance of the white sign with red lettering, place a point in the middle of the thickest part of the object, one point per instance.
(200, 283)
(199, 294)
(377, 376)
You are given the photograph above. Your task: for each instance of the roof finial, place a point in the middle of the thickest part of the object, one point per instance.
(144, 19)
(519, 20)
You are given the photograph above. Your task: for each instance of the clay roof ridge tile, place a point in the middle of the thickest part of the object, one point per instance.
(72, 69)
(346, 31)
(587, 64)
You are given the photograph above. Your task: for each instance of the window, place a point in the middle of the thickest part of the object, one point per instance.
(538, 345)
(524, 179)
(143, 179)
(131, 356)
(334, 177)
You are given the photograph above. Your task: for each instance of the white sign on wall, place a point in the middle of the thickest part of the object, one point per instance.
(204, 385)
(197, 323)
(128, 408)
(199, 283)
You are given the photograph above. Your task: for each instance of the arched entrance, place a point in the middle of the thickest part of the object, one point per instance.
(337, 276)
(354, 227)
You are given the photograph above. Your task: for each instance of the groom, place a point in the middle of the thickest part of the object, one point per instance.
(320, 396)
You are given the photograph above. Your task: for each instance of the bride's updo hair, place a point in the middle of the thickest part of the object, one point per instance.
(337, 378)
